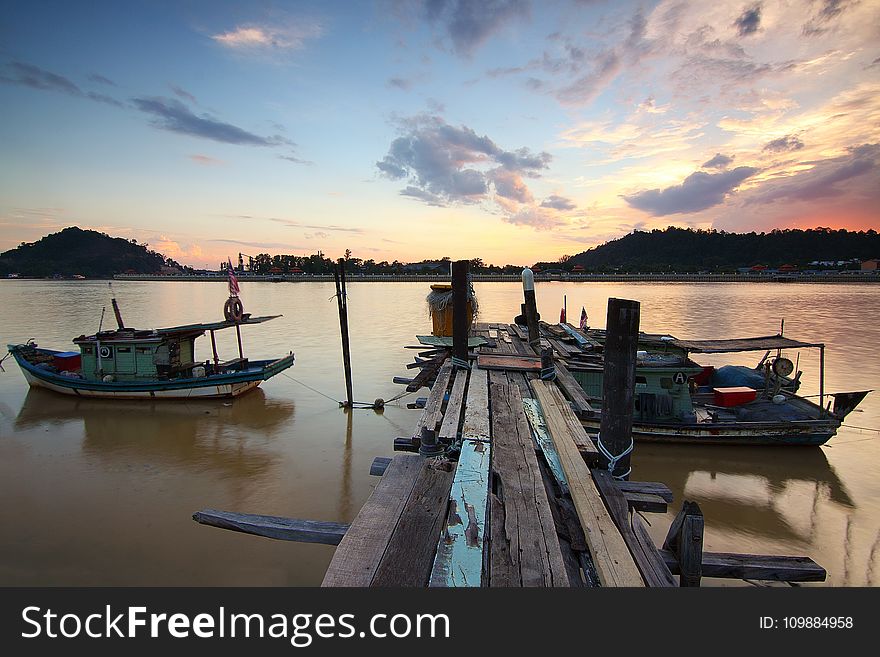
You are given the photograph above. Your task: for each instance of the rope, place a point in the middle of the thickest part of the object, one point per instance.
(8, 354)
(612, 460)
(379, 403)
(548, 373)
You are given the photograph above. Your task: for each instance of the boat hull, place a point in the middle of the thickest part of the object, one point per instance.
(804, 433)
(215, 386)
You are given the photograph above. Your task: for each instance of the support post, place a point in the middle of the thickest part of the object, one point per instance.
(460, 291)
(116, 312)
(618, 385)
(342, 303)
(822, 378)
(685, 541)
(238, 335)
(530, 309)
(214, 348)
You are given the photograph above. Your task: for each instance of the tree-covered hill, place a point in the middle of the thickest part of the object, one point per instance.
(85, 252)
(687, 250)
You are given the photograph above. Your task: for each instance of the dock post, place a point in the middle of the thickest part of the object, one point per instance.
(342, 302)
(460, 293)
(618, 386)
(530, 309)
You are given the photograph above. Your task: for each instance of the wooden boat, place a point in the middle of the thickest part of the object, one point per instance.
(676, 399)
(127, 363)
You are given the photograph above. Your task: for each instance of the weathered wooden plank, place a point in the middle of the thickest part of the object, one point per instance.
(504, 362)
(647, 488)
(530, 553)
(685, 541)
(433, 412)
(285, 529)
(519, 331)
(476, 410)
(459, 557)
(539, 426)
(646, 555)
(425, 375)
(452, 416)
(754, 566)
(610, 555)
(409, 556)
(355, 561)
(446, 341)
(573, 391)
(576, 430)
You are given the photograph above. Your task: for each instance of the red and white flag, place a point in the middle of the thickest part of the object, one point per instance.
(562, 316)
(234, 290)
(583, 318)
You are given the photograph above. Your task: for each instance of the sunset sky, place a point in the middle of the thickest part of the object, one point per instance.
(509, 130)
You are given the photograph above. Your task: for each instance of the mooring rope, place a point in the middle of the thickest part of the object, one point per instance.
(379, 403)
(612, 460)
(8, 354)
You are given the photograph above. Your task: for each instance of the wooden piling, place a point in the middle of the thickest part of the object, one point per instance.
(342, 303)
(618, 385)
(530, 309)
(460, 319)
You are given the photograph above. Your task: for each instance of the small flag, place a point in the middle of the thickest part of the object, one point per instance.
(562, 316)
(583, 318)
(234, 290)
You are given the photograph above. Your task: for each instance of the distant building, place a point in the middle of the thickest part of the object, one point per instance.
(577, 269)
(871, 265)
(788, 268)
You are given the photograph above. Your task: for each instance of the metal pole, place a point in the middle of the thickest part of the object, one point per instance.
(342, 303)
(214, 348)
(822, 377)
(238, 335)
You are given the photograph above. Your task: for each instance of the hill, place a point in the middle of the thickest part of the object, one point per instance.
(687, 250)
(85, 252)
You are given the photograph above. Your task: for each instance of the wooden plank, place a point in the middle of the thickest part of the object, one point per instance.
(355, 561)
(573, 391)
(285, 529)
(425, 375)
(529, 553)
(446, 341)
(476, 410)
(409, 556)
(519, 332)
(754, 566)
(433, 412)
(646, 555)
(452, 416)
(646, 502)
(613, 562)
(459, 556)
(503, 362)
(647, 488)
(576, 430)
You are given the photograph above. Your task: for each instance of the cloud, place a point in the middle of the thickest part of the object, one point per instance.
(174, 116)
(280, 36)
(558, 203)
(830, 11)
(205, 160)
(95, 77)
(784, 144)
(826, 178)
(469, 23)
(699, 191)
(539, 218)
(749, 21)
(445, 164)
(718, 162)
(28, 75)
(183, 93)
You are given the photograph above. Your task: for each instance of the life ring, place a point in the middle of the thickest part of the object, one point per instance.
(233, 310)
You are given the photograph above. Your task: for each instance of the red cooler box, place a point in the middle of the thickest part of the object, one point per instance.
(734, 396)
(67, 361)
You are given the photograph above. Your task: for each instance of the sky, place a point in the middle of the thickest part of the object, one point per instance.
(507, 130)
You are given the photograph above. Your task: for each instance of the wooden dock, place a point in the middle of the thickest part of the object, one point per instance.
(517, 498)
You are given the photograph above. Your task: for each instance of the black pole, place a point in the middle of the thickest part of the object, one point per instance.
(342, 302)
(618, 384)
(459, 312)
(530, 309)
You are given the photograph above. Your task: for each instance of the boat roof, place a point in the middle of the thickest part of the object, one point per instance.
(213, 326)
(765, 343)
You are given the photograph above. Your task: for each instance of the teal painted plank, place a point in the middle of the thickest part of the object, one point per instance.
(580, 339)
(539, 428)
(443, 341)
(459, 558)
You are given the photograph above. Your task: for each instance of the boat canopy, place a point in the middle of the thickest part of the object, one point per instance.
(766, 343)
(213, 326)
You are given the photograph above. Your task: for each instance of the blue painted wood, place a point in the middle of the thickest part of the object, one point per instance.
(459, 557)
(581, 340)
(539, 428)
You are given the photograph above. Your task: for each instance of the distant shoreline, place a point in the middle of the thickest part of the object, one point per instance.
(853, 277)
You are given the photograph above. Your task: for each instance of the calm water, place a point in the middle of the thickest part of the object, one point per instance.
(101, 493)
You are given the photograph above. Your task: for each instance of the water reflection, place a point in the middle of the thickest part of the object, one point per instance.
(766, 493)
(219, 437)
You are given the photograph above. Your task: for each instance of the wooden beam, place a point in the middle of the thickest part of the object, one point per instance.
(452, 416)
(614, 564)
(646, 487)
(509, 362)
(754, 566)
(530, 553)
(425, 375)
(685, 541)
(433, 413)
(476, 410)
(408, 559)
(355, 561)
(576, 430)
(545, 442)
(645, 502)
(285, 529)
(573, 391)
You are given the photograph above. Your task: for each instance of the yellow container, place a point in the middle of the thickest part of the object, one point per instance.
(442, 318)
